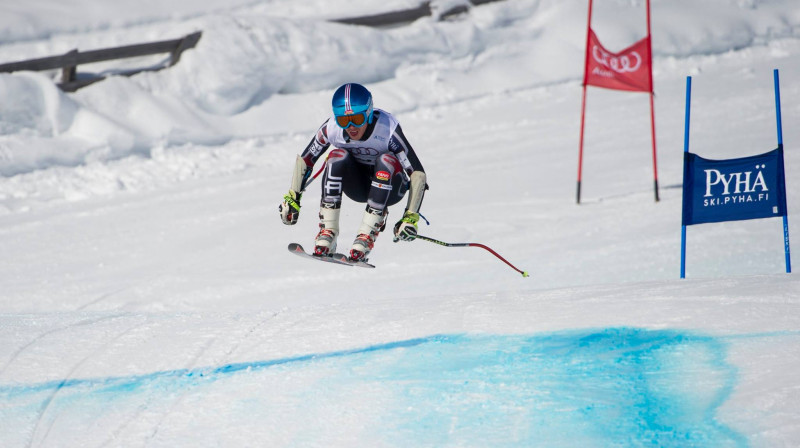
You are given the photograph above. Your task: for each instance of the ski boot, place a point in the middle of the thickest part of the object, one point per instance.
(374, 222)
(325, 243)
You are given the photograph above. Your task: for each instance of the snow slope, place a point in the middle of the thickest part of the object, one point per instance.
(147, 298)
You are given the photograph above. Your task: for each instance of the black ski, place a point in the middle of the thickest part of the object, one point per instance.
(334, 258)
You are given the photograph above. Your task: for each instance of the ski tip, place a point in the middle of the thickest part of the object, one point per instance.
(525, 274)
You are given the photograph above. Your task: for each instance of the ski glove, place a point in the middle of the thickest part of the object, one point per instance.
(290, 208)
(406, 228)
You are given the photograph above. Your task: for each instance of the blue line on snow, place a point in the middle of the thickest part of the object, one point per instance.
(203, 372)
(606, 387)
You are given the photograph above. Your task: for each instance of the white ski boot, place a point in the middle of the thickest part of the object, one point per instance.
(373, 223)
(325, 243)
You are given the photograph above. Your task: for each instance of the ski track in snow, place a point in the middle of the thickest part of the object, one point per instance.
(49, 400)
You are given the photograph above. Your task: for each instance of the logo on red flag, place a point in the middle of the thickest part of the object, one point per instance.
(627, 70)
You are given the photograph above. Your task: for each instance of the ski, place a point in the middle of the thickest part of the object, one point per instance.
(344, 259)
(334, 258)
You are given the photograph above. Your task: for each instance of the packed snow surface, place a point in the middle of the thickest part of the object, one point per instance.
(147, 297)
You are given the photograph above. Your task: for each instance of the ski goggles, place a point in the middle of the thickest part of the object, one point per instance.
(357, 120)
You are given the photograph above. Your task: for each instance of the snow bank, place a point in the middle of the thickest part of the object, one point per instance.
(251, 54)
(32, 103)
(21, 20)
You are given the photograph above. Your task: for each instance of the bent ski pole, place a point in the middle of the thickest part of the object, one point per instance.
(442, 243)
(308, 182)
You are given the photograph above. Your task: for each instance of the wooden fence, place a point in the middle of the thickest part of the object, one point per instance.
(68, 63)
(409, 15)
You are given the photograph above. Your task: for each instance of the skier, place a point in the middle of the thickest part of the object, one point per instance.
(371, 162)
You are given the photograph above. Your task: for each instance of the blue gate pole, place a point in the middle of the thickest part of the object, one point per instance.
(780, 145)
(685, 150)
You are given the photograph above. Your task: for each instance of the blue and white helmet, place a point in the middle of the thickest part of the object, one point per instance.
(352, 100)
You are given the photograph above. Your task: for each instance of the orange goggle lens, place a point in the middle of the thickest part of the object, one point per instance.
(344, 121)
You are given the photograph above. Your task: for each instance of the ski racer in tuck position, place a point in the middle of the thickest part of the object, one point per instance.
(371, 162)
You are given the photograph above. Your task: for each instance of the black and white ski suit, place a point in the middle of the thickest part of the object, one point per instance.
(376, 169)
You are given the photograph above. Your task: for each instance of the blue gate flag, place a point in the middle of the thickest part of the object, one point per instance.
(734, 189)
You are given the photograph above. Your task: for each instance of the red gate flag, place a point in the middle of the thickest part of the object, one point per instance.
(627, 70)
(631, 69)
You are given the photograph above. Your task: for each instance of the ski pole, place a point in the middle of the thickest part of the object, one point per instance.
(324, 164)
(442, 243)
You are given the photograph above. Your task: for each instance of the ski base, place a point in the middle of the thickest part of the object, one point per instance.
(333, 258)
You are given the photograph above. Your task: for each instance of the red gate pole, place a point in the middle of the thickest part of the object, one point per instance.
(583, 101)
(653, 132)
(652, 105)
(580, 150)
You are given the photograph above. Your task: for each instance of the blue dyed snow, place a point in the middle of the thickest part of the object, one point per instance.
(587, 388)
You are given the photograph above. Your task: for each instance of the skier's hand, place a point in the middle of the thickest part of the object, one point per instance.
(290, 208)
(406, 228)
